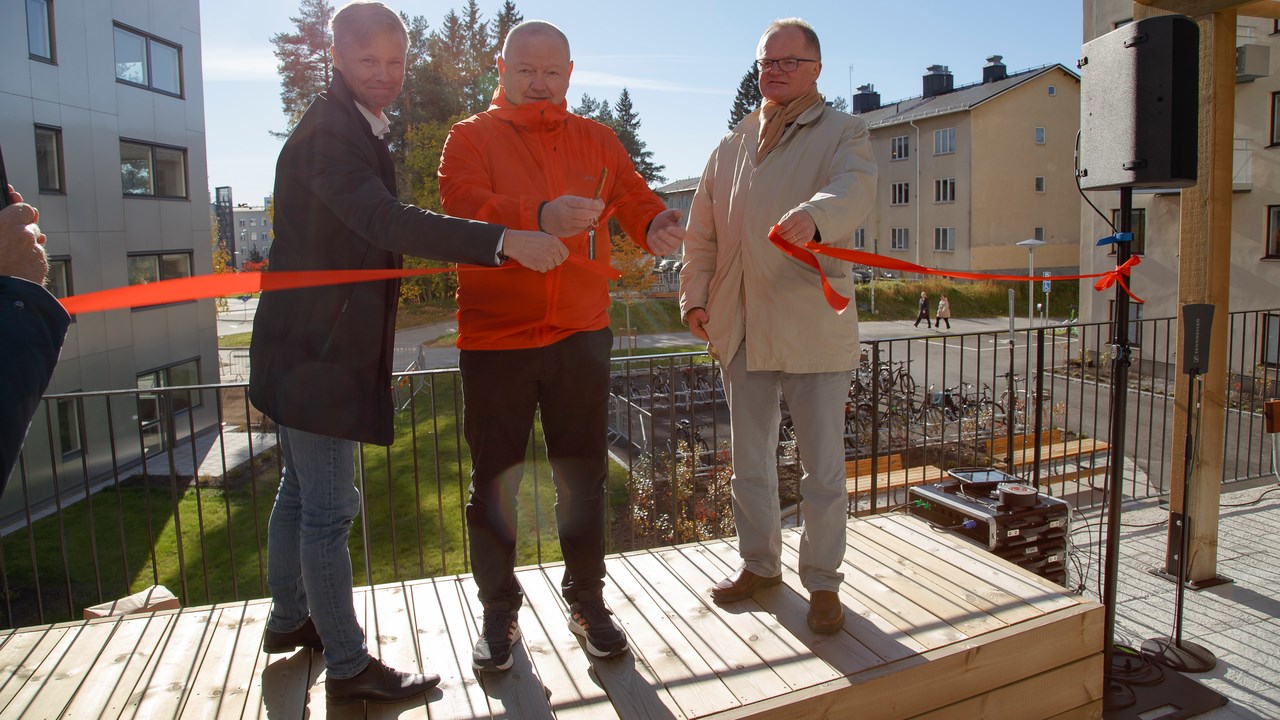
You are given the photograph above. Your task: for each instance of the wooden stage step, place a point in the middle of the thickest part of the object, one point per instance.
(936, 628)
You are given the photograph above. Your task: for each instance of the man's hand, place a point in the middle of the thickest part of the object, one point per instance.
(697, 319)
(569, 215)
(21, 242)
(534, 250)
(666, 232)
(797, 226)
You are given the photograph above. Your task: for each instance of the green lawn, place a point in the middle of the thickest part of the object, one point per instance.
(413, 492)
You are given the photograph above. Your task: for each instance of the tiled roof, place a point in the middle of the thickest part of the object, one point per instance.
(962, 98)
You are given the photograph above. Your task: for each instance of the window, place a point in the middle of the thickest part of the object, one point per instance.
(148, 62)
(1052, 91)
(154, 407)
(1039, 136)
(1138, 226)
(40, 30)
(253, 237)
(151, 268)
(944, 190)
(59, 282)
(944, 141)
(1039, 183)
(253, 222)
(900, 193)
(1275, 118)
(242, 223)
(68, 427)
(944, 239)
(1039, 233)
(1273, 231)
(49, 159)
(153, 170)
(1270, 341)
(899, 149)
(899, 238)
(860, 239)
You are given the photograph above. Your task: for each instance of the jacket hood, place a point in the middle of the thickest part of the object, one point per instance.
(535, 115)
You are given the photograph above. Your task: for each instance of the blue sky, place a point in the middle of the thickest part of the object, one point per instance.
(681, 61)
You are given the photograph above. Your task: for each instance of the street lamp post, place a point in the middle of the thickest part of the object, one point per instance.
(1031, 245)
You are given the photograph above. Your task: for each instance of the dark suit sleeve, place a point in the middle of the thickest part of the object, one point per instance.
(342, 173)
(32, 328)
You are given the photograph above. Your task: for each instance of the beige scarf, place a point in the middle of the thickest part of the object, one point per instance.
(775, 117)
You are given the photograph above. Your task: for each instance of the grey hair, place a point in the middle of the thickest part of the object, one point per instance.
(359, 19)
(810, 36)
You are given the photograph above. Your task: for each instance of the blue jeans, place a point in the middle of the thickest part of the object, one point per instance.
(308, 563)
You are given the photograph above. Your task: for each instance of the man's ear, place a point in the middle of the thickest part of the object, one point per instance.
(333, 53)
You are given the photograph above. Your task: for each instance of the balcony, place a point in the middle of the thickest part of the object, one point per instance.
(927, 609)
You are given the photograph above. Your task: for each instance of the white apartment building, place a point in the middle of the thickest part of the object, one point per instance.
(102, 128)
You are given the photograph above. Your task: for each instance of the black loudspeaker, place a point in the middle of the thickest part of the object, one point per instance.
(1139, 98)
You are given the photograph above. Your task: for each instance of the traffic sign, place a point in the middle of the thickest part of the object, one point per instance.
(1046, 281)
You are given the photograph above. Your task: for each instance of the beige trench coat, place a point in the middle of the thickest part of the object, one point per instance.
(749, 288)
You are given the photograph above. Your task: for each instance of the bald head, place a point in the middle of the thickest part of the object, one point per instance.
(535, 64)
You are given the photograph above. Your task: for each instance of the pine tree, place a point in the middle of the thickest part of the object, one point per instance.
(477, 58)
(840, 104)
(747, 99)
(304, 63)
(598, 110)
(628, 129)
(508, 17)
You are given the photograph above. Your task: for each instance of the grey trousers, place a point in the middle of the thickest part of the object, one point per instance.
(816, 402)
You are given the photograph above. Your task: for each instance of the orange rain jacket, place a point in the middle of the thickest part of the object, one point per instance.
(500, 166)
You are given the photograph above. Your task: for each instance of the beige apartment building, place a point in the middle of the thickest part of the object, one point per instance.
(1255, 210)
(102, 125)
(968, 172)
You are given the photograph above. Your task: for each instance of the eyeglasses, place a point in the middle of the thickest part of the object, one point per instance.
(785, 65)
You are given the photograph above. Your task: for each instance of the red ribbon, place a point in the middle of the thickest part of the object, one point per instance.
(837, 301)
(806, 254)
(225, 284)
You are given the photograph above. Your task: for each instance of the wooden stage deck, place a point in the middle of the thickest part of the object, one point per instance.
(935, 628)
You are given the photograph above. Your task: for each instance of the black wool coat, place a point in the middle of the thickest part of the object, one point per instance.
(321, 357)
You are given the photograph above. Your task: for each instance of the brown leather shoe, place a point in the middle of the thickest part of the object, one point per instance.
(283, 642)
(379, 683)
(741, 586)
(826, 614)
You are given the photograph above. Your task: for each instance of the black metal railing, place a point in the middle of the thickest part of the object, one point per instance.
(119, 490)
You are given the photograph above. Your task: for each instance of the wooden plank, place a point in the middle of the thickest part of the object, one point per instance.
(1092, 711)
(137, 647)
(179, 656)
(445, 633)
(777, 632)
(22, 655)
(242, 674)
(518, 692)
(988, 596)
(967, 619)
(392, 637)
(559, 659)
(109, 665)
(1021, 583)
(46, 693)
(950, 674)
(282, 684)
(723, 638)
(895, 479)
(672, 662)
(1251, 8)
(209, 681)
(1046, 695)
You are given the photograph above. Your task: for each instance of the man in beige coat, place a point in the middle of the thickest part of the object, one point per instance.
(808, 169)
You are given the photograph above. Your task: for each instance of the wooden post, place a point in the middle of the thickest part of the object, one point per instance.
(1204, 273)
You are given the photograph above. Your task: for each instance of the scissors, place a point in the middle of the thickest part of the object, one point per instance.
(591, 234)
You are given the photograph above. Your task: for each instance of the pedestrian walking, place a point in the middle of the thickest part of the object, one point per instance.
(924, 311)
(944, 312)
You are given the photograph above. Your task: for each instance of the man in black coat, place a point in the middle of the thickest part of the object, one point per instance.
(32, 327)
(321, 357)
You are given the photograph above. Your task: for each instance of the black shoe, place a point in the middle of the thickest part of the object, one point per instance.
(379, 683)
(591, 620)
(493, 650)
(283, 642)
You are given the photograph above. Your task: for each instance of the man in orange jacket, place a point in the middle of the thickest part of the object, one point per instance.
(532, 340)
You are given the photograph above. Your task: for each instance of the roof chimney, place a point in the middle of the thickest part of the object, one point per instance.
(994, 70)
(938, 81)
(866, 99)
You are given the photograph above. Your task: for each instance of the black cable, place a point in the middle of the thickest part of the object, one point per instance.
(1080, 190)
(1254, 501)
(1146, 525)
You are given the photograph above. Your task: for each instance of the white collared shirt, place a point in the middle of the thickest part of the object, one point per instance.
(379, 123)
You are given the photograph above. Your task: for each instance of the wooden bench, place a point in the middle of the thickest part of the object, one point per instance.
(1056, 454)
(890, 474)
